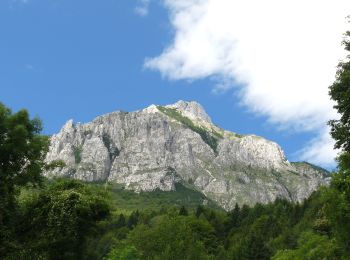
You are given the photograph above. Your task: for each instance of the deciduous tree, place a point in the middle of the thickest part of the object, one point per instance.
(22, 153)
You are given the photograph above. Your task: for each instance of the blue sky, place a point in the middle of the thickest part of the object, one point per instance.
(78, 59)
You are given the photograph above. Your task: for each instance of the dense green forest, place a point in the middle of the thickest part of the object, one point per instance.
(68, 219)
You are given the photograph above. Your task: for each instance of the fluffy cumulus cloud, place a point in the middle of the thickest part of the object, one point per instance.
(282, 55)
(320, 149)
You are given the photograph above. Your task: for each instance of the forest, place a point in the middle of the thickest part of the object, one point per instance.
(68, 219)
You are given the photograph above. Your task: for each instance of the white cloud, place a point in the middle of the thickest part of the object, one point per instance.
(142, 7)
(320, 150)
(282, 54)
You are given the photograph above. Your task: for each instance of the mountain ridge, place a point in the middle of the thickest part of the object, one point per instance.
(159, 146)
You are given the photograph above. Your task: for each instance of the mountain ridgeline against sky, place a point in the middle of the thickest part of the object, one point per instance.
(159, 146)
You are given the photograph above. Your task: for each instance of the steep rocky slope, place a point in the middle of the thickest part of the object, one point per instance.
(159, 146)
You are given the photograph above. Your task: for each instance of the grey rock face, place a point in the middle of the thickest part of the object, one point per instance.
(156, 147)
(192, 110)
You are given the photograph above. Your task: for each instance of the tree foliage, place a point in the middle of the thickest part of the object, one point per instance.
(340, 93)
(338, 206)
(311, 246)
(58, 221)
(22, 153)
(68, 219)
(124, 253)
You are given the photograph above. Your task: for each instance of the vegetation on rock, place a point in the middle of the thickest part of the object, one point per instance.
(77, 154)
(209, 137)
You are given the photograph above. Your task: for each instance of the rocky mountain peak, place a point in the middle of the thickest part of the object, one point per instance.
(159, 146)
(192, 110)
(68, 125)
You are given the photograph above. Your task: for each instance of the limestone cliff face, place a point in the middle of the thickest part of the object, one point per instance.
(158, 146)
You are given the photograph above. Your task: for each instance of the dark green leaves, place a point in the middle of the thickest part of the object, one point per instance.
(22, 153)
(340, 93)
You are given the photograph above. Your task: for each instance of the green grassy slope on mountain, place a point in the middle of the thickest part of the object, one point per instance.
(210, 137)
(127, 200)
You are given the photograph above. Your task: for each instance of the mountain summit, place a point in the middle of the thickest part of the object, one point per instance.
(160, 146)
(192, 110)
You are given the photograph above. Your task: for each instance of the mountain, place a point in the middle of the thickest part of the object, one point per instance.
(160, 146)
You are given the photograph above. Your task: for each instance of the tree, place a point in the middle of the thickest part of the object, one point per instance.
(183, 211)
(233, 218)
(311, 246)
(58, 222)
(22, 154)
(340, 93)
(338, 197)
(133, 219)
(121, 221)
(199, 210)
(170, 238)
(124, 253)
(255, 243)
